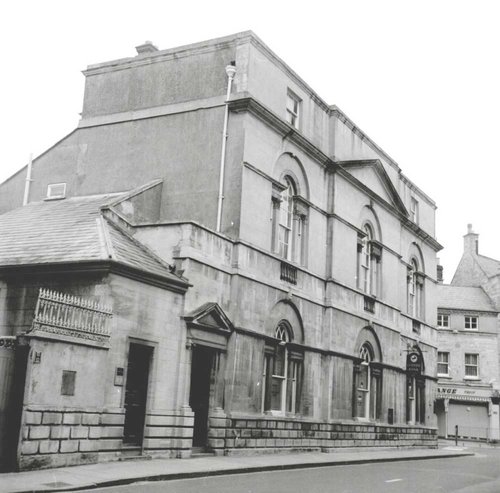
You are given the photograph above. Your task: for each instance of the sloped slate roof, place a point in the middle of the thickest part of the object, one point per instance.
(463, 298)
(490, 266)
(71, 230)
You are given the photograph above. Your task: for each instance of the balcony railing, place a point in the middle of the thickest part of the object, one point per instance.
(71, 316)
(288, 272)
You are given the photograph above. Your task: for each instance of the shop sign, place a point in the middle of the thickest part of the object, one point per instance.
(446, 390)
(414, 363)
(450, 392)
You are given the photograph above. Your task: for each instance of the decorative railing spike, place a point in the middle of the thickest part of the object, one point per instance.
(71, 315)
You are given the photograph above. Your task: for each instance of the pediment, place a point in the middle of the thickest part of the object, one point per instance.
(209, 316)
(372, 175)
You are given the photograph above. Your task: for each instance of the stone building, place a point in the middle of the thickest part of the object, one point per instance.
(308, 321)
(468, 348)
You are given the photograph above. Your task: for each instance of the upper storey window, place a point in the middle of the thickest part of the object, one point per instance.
(471, 323)
(286, 220)
(369, 257)
(443, 320)
(415, 291)
(289, 223)
(414, 213)
(293, 103)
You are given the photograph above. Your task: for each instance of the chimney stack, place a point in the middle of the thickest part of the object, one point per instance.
(471, 241)
(146, 47)
(439, 272)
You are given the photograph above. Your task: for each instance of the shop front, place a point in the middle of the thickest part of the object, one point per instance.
(467, 412)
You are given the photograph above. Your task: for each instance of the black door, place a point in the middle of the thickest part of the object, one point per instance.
(199, 396)
(136, 393)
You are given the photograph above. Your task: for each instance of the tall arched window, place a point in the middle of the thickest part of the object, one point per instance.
(289, 219)
(415, 281)
(285, 234)
(368, 383)
(281, 373)
(369, 257)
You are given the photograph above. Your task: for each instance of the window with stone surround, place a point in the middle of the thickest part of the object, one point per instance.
(368, 385)
(471, 322)
(443, 364)
(293, 104)
(282, 373)
(414, 213)
(443, 321)
(415, 290)
(369, 262)
(289, 231)
(471, 366)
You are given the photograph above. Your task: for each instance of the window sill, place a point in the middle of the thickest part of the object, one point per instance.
(474, 379)
(444, 376)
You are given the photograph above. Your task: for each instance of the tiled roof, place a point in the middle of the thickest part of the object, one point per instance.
(463, 298)
(490, 266)
(71, 230)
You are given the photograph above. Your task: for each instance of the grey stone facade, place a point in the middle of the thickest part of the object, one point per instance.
(311, 264)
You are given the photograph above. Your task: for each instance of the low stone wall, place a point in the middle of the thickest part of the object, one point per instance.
(61, 437)
(231, 436)
(169, 434)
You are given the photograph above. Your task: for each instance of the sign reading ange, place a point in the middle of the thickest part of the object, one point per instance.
(414, 363)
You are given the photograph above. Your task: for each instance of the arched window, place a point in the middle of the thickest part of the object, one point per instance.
(415, 280)
(289, 223)
(368, 384)
(285, 236)
(369, 257)
(281, 373)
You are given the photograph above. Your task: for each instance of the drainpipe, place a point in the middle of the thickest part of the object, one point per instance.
(230, 71)
(28, 181)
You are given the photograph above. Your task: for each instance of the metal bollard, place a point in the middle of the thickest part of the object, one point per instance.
(456, 434)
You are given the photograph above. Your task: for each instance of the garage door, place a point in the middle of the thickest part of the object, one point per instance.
(472, 419)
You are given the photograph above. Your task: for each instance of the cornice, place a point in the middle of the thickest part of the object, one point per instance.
(97, 267)
(177, 52)
(242, 102)
(337, 112)
(377, 165)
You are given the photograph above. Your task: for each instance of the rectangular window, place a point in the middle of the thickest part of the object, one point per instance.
(414, 210)
(470, 323)
(471, 365)
(293, 109)
(443, 320)
(443, 364)
(56, 191)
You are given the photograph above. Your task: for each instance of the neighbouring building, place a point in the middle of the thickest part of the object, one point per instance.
(468, 397)
(265, 273)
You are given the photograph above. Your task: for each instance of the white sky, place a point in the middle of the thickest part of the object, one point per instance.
(421, 78)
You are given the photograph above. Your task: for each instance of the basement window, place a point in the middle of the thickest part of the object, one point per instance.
(56, 191)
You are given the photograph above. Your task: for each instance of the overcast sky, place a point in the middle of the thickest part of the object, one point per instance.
(422, 79)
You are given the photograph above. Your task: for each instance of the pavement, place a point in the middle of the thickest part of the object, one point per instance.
(126, 472)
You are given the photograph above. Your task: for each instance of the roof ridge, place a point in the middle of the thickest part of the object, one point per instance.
(132, 193)
(141, 246)
(107, 244)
